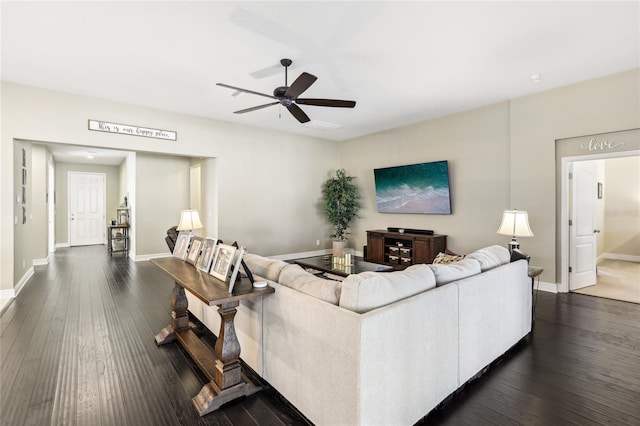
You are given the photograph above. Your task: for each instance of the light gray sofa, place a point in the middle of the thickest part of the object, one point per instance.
(380, 348)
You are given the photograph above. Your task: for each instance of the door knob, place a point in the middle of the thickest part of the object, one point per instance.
(596, 231)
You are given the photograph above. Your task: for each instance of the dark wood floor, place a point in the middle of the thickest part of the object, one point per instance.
(77, 348)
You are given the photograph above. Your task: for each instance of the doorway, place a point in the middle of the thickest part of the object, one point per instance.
(601, 207)
(87, 216)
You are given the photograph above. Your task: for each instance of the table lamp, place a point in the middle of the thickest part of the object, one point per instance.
(516, 224)
(189, 220)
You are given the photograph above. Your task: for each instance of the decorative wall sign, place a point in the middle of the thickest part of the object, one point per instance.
(125, 129)
(620, 141)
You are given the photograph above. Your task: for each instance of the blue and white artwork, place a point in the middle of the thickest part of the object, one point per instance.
(415, 188)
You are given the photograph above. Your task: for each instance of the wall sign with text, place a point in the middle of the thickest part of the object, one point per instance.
(125, 129)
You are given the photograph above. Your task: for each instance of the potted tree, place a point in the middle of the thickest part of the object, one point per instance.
(341, 203)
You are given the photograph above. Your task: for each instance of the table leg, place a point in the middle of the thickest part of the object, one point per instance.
(179, 316)
(227, 348)
(229, 383)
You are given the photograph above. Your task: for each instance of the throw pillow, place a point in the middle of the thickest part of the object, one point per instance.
(446, 259)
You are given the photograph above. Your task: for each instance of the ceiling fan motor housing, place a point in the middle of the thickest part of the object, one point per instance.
(279, 92)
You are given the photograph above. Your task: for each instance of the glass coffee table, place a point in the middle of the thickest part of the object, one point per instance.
(325, 264)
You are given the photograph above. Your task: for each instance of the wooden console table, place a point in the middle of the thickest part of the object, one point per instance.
(222, 367)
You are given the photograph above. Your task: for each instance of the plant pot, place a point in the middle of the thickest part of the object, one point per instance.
(339, 248)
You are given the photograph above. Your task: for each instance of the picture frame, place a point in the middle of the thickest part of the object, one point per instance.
(182, 245)
(206, 258)
(236, 267)
(194, 250)
(222, 261)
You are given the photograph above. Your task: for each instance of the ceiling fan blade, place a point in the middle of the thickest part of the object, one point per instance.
(298, 113)
(327, 102)
(245, 90)
(242, 111)
(300, 84)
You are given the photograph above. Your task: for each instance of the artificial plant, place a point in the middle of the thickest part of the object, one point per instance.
(341, 202)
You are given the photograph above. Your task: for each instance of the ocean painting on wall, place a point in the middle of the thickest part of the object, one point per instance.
(415, 188)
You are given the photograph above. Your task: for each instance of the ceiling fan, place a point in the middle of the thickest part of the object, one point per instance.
(288, 95)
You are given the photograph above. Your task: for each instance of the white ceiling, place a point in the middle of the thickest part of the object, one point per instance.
(403, 62)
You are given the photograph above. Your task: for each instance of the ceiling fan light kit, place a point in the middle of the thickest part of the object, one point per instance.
(287, 96)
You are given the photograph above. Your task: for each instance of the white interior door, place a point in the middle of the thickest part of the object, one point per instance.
(583, 241)
(86, 208)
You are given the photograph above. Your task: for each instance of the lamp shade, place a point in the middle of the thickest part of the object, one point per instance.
(515, 223)
(189, 220)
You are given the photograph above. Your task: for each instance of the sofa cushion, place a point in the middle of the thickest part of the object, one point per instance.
(369, 290)
(491, 257)
(445, 273)
(263, 266)
(295, 277)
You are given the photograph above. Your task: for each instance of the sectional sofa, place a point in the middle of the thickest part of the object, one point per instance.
(380, 348)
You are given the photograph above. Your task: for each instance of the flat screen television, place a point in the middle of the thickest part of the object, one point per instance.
(415, 188)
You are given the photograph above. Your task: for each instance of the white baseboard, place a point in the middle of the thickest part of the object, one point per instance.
(614, 256)
(7, 294)
(544, 286)
(143, 257)
(23, 281)
(40, 262)
(62, 245)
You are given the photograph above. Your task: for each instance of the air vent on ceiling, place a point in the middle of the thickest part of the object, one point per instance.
(321, 125)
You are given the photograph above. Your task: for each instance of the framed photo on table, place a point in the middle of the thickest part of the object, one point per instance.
(222, 260)
(182, 245)
(194, 250)
(206, 258)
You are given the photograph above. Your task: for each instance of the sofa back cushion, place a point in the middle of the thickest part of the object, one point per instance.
(263, 266)
(369, 290)
(491, 257)
(445, 273)
(293, 276)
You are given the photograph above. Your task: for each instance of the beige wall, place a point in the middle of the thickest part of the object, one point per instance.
(262, 189)
(22, 260)
(162, 191)
(501, 156)
(476, 145)
(621, 198)
(603, 105)
(39, 201)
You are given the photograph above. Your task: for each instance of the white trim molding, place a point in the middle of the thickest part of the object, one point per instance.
(7, 294)
(143, 257)
(23, 281)
(544, 286)
(615, 256)
(41, 262)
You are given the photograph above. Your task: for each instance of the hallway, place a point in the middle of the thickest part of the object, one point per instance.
(616, 279)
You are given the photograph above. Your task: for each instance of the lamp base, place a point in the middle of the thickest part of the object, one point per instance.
(513, 244)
